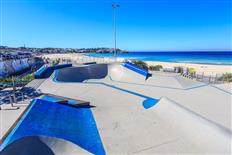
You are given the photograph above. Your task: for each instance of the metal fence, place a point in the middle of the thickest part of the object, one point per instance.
(211, 79)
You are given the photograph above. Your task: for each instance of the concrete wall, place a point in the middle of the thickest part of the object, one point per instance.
(13, 66)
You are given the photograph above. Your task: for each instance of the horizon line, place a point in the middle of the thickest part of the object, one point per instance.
(192, 50)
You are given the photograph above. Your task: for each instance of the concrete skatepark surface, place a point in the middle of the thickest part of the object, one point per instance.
(190, 117)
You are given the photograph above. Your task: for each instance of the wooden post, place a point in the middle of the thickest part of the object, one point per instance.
(215, 79)
(202, 76)
(11, 101)
(13, 83)
(14, 98)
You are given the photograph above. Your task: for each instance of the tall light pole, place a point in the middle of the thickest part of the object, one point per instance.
(115, 6)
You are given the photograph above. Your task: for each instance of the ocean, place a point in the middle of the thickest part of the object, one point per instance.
(217, 58)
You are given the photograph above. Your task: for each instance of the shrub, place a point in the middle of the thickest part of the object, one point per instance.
(27, 78)
(155, 68)
(55, 62)
(226, 77)
(192, 71)
(140, 64)
(24, 79)
(6, 81)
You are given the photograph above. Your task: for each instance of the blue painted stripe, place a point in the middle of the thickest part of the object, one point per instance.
(47, 71)
(53, 99)
(102, 83)
(139, 84)
(109, 85)
(40, 70)
(127, 91)
(137, 69)
(55, 77)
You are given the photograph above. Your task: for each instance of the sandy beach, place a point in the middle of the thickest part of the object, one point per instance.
(208, 69)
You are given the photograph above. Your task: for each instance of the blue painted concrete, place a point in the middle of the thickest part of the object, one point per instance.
(45, 72)
(46, 118)
(137, 69)
(147, 103)
(150, 102)
(39, 71)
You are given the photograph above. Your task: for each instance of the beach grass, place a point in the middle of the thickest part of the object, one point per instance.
(226, 77)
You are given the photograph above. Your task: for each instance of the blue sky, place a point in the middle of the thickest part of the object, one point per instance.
(161, 25)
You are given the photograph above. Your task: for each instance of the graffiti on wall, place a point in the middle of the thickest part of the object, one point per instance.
(10, 67)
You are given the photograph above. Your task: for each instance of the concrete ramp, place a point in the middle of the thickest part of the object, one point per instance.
(118, 72)
(51, 118)
(193, 133)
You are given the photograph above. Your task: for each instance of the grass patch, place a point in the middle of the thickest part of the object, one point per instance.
(192, 71)
(25, 79)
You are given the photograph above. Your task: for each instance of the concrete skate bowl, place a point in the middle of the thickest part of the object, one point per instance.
(104, 74)
(196, 132)
(115, 72)
(80, 74)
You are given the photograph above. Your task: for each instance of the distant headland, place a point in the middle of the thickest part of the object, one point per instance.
(24, 52)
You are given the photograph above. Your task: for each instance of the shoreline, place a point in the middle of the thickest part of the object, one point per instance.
(173, 57)
(207, 69)
(176, 62)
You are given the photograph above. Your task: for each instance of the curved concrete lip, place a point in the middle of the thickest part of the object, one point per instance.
(41, 145)
(83, 73)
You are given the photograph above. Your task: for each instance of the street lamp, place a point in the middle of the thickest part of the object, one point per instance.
(115, 6)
